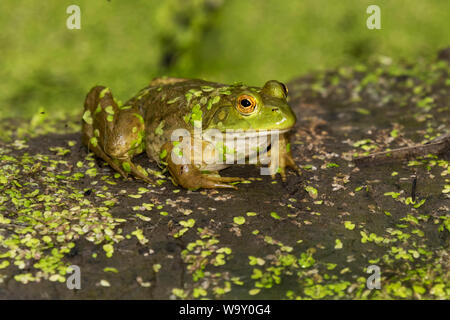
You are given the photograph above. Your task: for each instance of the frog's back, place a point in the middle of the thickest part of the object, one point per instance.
(166, 104)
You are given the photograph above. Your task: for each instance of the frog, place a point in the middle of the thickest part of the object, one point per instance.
(117, 132)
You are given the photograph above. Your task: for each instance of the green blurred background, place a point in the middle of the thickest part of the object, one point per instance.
(124, 44)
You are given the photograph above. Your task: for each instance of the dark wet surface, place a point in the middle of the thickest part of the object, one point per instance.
(332, 120)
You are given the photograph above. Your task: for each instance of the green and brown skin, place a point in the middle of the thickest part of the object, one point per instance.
(117, 133)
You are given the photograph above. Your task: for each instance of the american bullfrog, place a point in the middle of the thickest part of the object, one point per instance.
(148, 121)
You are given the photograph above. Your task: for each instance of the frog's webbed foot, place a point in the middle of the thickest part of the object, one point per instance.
(122, 166)
(113, 133)
(285, 160)
(190, 177)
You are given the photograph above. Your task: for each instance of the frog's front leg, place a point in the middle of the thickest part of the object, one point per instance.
(113, 133)
(190, 174)
(285, 159)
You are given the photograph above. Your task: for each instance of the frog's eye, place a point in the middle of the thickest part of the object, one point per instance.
(246, 104)
(275, 89)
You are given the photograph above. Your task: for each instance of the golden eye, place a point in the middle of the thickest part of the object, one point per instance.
(246, 104)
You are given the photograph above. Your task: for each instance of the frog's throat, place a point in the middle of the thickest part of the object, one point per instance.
(242, 145)
(248, 139)
(244, 134)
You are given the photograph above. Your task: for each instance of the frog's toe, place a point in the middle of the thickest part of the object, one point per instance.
(281, 170)
(225, 179)
(205, 182)
(215, 181)
(296, 168)
(212, 184)
(291, 164)
(137, 171)
(282, 173)
(97, 150)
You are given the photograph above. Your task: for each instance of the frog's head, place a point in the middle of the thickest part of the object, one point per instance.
(254, 109)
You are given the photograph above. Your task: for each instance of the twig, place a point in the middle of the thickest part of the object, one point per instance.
(413, 188)
(438, 145)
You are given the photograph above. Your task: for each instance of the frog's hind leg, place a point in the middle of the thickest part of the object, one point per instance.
(113, 133)
(190, 176)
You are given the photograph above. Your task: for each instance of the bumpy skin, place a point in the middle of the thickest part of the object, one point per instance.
(117, 133)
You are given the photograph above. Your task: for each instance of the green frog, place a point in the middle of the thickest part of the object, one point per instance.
(172, 115)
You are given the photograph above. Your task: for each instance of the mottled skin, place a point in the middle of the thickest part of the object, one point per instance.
(117, 133)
